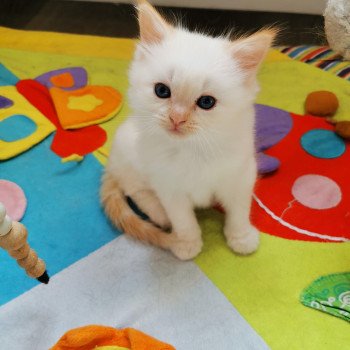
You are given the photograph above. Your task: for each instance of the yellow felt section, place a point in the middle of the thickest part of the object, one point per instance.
(22, 107)
(84, 103)
(67, 44)
(265, 287)
(285, 84)
(72, 158)
(275, 56)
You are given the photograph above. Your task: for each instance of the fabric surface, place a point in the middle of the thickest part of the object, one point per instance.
(322, 143)
(32, 126)
(71, 78)
(7, 77)
(91, 337)
(16, 127)
(105, 59)
(321, 103)
(235, 299)
(291, 217)
(107, 105)
(321, 57)
(128, 284)
(13, 198)
(65, 142)
(265, 287)
(63, 98)
(285, 84)
(113, 347)
(271, 126)
(62, 216)
(5, 102)
(330, 294)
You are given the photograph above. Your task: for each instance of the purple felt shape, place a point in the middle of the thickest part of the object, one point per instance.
(271, 126)
(5, 102)
(266, 163)
(79, 75)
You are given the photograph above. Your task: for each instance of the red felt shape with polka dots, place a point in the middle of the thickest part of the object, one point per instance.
(308, 198)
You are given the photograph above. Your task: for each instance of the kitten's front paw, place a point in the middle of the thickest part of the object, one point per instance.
(187, 250)
(244, 243)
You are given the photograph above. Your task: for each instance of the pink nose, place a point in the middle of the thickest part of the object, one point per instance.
(177, 120)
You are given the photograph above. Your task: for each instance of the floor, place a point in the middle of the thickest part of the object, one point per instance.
(119, 20)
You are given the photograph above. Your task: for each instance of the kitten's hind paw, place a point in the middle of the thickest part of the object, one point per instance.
(244, 243)
(187, 250)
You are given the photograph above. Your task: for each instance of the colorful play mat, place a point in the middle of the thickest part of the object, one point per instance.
(61, 99)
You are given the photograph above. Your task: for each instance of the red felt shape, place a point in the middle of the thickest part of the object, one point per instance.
(66, 142)
(275, 191)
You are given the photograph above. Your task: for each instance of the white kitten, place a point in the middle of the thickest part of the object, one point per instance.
(190, 140)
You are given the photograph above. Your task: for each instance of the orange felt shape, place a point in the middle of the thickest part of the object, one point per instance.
(64, 80)
(321, 103)
(74, 118)
(88, 337)
(343, 129)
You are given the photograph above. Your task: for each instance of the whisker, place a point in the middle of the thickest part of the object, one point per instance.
(212, 145)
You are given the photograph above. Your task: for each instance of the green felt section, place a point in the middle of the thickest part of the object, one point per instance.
(285, 84)
(265, 286)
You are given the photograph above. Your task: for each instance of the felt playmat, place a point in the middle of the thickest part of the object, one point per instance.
(99, 276)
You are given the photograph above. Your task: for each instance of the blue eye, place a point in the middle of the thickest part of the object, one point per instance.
(162, 91)
(206, 102)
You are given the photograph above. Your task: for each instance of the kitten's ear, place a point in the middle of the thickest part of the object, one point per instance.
(153, 27)
(249, 52)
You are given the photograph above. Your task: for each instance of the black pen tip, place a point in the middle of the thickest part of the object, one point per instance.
(44, 278)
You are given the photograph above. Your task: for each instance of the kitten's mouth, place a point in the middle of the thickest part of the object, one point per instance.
(175, 131)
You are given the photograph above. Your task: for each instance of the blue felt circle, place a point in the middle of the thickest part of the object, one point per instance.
(16, 127)
(323, 144)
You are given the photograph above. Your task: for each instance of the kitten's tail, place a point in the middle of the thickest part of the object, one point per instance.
(122, 216)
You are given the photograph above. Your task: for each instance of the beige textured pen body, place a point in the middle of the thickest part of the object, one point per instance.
(13, 238)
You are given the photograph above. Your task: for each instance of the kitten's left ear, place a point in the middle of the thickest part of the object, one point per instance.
(153, 27)
(249, 52)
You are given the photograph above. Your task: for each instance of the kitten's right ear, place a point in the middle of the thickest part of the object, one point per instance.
(153, 27)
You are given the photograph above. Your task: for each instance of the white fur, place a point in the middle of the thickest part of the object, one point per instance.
(217, 163)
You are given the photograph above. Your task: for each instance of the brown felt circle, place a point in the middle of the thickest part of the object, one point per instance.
(343, 129)
(321, 103)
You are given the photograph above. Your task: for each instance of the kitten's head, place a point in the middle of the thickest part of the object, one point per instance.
(183, 82)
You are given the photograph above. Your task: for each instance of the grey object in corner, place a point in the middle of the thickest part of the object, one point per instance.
(337, 26)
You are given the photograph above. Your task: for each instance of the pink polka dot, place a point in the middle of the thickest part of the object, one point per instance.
(316, 192)
(13, 198)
